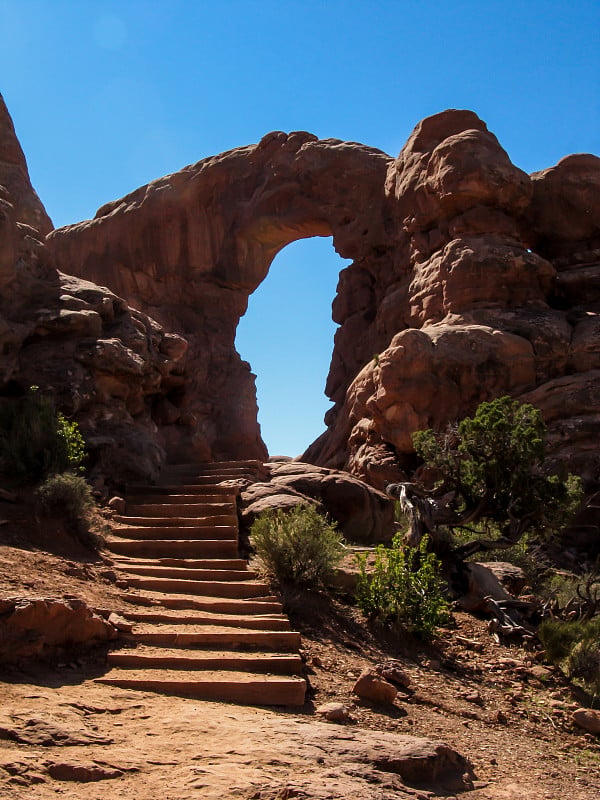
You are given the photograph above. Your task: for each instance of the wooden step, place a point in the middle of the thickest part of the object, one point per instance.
(224, 532)
(214, 636)
(217, 605)
(212, 588)
(278, 622)
(174, 548)
(235, 687)
(162, 658)
(181, 573)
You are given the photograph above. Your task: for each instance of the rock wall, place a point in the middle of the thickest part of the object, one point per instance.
(495, 290)
(470, 279)
(109, 366)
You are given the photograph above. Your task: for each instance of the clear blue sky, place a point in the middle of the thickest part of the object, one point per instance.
(106, 96)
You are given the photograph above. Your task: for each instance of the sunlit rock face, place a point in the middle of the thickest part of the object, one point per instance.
(469, 279)
(190, 248)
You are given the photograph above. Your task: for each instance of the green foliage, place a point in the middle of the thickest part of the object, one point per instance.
(574, 646)
(494, 462)
(297, 547)
(69, 497)
(404, 587)
(35, 440)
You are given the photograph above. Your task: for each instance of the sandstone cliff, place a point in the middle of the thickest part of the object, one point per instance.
(108, 366)
(469, 279)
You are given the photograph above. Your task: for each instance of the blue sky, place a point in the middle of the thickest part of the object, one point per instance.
(106, 96)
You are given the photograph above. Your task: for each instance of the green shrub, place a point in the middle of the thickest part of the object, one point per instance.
(493, 465)
(404, 588)
(35, 440)
(296, 547)
(69, 497)
(575, 647)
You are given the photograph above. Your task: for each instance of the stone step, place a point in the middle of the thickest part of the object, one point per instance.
(180, 487)
(235, 687)
(174, 548)
(203, 521)
(183, 498)
(162, 658)
(124, 562)
(278, 622)
(215, 468)
(181, 573)
(214, 636)
(220, 532)
(196, 510)
(193, 479)
(218, 605)
(211, 588)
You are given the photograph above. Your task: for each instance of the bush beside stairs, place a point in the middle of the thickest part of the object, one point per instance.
(204, 625)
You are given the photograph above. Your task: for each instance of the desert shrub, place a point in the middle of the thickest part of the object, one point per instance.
(69, 497)
(404, 587)
(572, 596)
(35, 440)
(297, 547)
(575, 647)
(493, 469)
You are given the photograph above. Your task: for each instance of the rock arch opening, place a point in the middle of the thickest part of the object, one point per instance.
(287, 337)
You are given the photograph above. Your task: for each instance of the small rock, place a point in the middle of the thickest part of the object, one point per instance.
(394, 674)
(117, 504)
(119, 623)
(82, 773)
(371, 686)
(471, 697)
(588, 719)
(316, 661)
(334, 712)
(542, 674)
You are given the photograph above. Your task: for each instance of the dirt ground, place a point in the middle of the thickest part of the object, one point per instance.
(63, 734)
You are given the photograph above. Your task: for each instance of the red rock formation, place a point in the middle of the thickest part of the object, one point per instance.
(470, 279)
(108, 366)
(190, 248)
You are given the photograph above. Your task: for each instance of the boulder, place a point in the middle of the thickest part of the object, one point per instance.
(363, 514)
(41, 628)
(588, 719)
(482, 583)
(371, 686)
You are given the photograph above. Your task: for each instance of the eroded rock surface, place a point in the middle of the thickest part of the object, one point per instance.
(42, 628)
(111, 368)
(470, 279)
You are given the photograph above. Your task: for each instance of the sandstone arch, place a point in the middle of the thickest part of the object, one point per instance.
(188, 249)
(469, 279)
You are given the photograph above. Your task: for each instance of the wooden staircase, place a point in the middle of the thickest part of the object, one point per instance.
(204, 625)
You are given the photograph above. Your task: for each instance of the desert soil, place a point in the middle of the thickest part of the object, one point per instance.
(63, 734)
